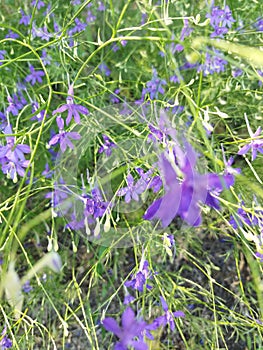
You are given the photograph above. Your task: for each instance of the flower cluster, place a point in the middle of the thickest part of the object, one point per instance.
(221, 20)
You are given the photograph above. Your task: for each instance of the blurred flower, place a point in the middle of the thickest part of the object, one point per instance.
(132, 191)
(46, 59)
(139, 280)
(183, 196)
(34, 76)
(72, 108)
(186, 31)
(104, 69)
(131, 328)
(12, 35)
(214, 63)
(2, 56)
(38, 3)
(259, 24)
(154, 87)
(168, 317)
(106, 146)
(254, 145)
(221, 20)
(25, 18)
(5, 342)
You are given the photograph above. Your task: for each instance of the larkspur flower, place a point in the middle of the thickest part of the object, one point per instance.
(132, 191)
(139, 280)
(221, 20)
(254, 145)
(90, 17)
(186, 31)
(154, 87)
(168, 317)
(104, 69)
(183, 197)
(72, 108)
(131, 329)
(106, 146)
(2, 56)
(5, 342)
(25, 18)
(259, 24)
(64, 137)
(214, 63)
(12, 35)
(34, 76)
(40, 115)
(38, 3)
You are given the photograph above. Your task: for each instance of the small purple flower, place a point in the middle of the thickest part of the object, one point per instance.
(72, 108)
(154, 87)
(106, 146)
(259, 24)
(236, 72)
(47, 173)
(104, 69)
(40, 115)
(25, 18)
(63, 137)
(79, 27)
(90, 17)
(2, 56)
(94, 205)
(139, 280)
(221, 20)
(12, 35)
(132, 190)
(214, 63)
(186, 31)
(38, 3)
(27, 287)
(101, 7)
(34, 76)
(5, 342)
(168, 317)
(131, 328)
(254, 145)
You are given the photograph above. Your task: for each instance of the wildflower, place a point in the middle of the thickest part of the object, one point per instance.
(25, 18)
(259, 24)
(214, 63)
(94, 205)
(168, 317)
(72, 108)
(138, 280)
(38, 4)
(254, 145)
(221, 20)
(59, 195)
(104, 69)
(34, 76)
(12, 35)
(101, 7)
(40, 115)
(79, 27)
(113, 97)
(106, 146)
(90, 17)
(183, 197)
(186, 31)
(5, 342)
(132, 191)
(154, 87)
(2, 56)
(27, 287)
(63, 137)
(131, 328)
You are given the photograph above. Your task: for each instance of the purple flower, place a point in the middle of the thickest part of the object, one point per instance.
(47, 173)
(94, 205)
(214, 63)
(34, 76)
(79, 27)
(183, 197)
(104, 69)
(254, 145)
(12, 35)
(259, 24)
(154, 87)
(59, 195)
(168, 317)
(2, 56)
(139, 280)
(101, 7)
(38, 3)
(106, 146)
(27, 287)
(132, 191)
(5, 342)
(90, 17)
(186, 31)
(25, 18)
(130, 329)
(63, 137)
(40, 115)
(221, 20)
(73, 109)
